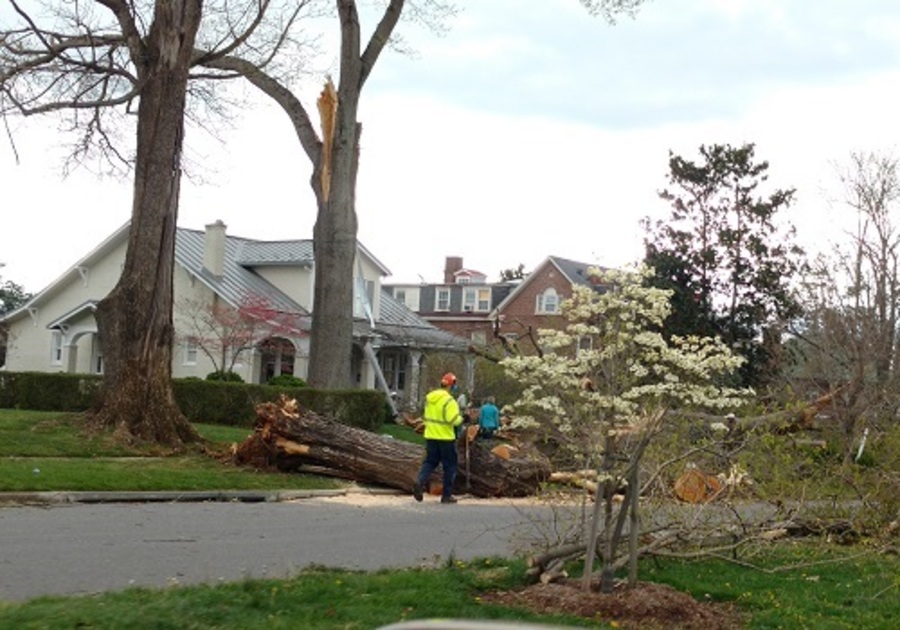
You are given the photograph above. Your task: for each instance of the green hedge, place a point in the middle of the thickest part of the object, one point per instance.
(212, 402)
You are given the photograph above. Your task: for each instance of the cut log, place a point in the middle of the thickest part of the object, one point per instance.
(289, 439)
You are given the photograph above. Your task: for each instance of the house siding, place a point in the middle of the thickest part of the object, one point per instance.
(30, 341)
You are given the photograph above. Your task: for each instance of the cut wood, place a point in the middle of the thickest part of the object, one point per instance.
(289, 439)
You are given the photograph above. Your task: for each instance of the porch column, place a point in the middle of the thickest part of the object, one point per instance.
(470, 375)
(412, 390)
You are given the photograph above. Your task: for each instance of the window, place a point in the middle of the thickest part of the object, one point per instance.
(98, 364)
(479, 337)
(478, 300)
(400, 295)
(462, 280)
(56, 348)
(190, 352)
(585, 344)
(442, 299)
(364, 297)
(547, 303)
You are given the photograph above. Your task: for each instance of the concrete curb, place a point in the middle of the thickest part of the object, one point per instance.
(238, 496)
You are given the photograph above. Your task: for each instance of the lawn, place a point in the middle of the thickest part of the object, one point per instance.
(792, 585)
(46, 451)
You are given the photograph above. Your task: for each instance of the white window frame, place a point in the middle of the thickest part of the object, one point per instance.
(442, 295)
(56, 347)
(400, 296)
(190, 352)
(545, 300)
(476, 299)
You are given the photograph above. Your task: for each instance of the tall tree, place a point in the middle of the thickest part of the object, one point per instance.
(848, 340)
(725, 256)
(94, 60)
(335, 160)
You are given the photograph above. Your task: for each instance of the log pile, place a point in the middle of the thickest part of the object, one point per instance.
(290, 439)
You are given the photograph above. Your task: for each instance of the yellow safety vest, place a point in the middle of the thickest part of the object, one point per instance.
(441, 415)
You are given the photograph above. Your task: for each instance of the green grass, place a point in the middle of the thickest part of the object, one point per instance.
(46, 451)
(402, 432)
(853, 593)
(316, 599)
(828, 588)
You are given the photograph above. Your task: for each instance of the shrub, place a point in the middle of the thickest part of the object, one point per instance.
(286, 380)
(229, 376)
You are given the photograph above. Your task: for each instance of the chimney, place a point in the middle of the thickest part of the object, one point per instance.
(451, 266)
(214, 248)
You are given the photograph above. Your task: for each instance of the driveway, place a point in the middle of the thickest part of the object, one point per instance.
(86, 548)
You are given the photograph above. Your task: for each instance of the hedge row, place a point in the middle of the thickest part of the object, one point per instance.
(212, 402)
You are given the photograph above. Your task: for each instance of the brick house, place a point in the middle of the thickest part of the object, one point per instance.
(461, 304)
(535, 302)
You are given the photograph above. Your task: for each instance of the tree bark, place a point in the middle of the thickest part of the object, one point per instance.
(288, 439)
(135, 320)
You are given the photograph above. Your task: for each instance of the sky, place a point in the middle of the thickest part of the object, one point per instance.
(527, 129)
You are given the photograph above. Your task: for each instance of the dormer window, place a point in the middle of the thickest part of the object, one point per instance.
(442, 299)
(547, 302)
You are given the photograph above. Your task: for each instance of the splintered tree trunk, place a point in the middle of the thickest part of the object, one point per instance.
(135, 320)
(289, 439)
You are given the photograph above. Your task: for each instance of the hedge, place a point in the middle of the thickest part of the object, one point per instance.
(211, 402)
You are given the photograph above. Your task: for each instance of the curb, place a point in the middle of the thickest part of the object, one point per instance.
(237, 496)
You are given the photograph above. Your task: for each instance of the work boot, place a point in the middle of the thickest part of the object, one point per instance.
(417, 491)
(448, 500)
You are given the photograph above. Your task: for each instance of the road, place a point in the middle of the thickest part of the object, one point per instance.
(87, 548)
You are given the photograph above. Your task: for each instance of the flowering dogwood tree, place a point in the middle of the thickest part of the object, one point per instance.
(605, 384)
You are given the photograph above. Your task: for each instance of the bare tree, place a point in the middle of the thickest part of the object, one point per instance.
(335, 160)
(97, 61)
(850, 336)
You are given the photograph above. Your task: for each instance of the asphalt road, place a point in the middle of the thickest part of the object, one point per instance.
(87, 548)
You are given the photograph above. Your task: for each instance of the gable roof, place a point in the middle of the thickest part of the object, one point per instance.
(575, 272)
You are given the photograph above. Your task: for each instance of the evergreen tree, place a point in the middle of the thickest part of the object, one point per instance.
(724, 256)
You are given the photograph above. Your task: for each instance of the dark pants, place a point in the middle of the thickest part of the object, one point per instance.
(443, 453)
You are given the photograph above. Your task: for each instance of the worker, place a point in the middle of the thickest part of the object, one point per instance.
(441, 418)
(488, 418)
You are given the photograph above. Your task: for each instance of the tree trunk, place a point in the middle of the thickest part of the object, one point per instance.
(135, 320)
(288, 439)
(334, 235)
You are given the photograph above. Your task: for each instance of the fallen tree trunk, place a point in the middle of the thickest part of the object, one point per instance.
(288, 439)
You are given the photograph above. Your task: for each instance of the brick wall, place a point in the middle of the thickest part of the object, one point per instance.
(519, 313)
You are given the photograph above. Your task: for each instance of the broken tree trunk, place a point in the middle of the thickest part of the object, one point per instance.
(289, 439)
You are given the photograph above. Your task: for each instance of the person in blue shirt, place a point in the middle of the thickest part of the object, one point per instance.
(488, 418)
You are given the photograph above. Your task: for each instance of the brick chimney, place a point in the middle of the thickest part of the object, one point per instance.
(214, 248)
(451, 266)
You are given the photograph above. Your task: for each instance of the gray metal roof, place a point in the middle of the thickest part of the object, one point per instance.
(238, 282)
(396, 324)
(400, 326)
(258, 253)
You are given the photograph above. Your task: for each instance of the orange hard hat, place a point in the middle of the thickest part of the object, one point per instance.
(448, 379)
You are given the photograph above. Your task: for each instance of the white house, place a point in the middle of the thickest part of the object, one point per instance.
(56, 330)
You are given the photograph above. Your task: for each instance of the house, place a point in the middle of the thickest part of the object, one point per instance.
(535, 302)
(460, 305)
(468, 306)
(271, 282)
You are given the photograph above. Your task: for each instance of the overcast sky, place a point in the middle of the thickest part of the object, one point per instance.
(530, 129)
